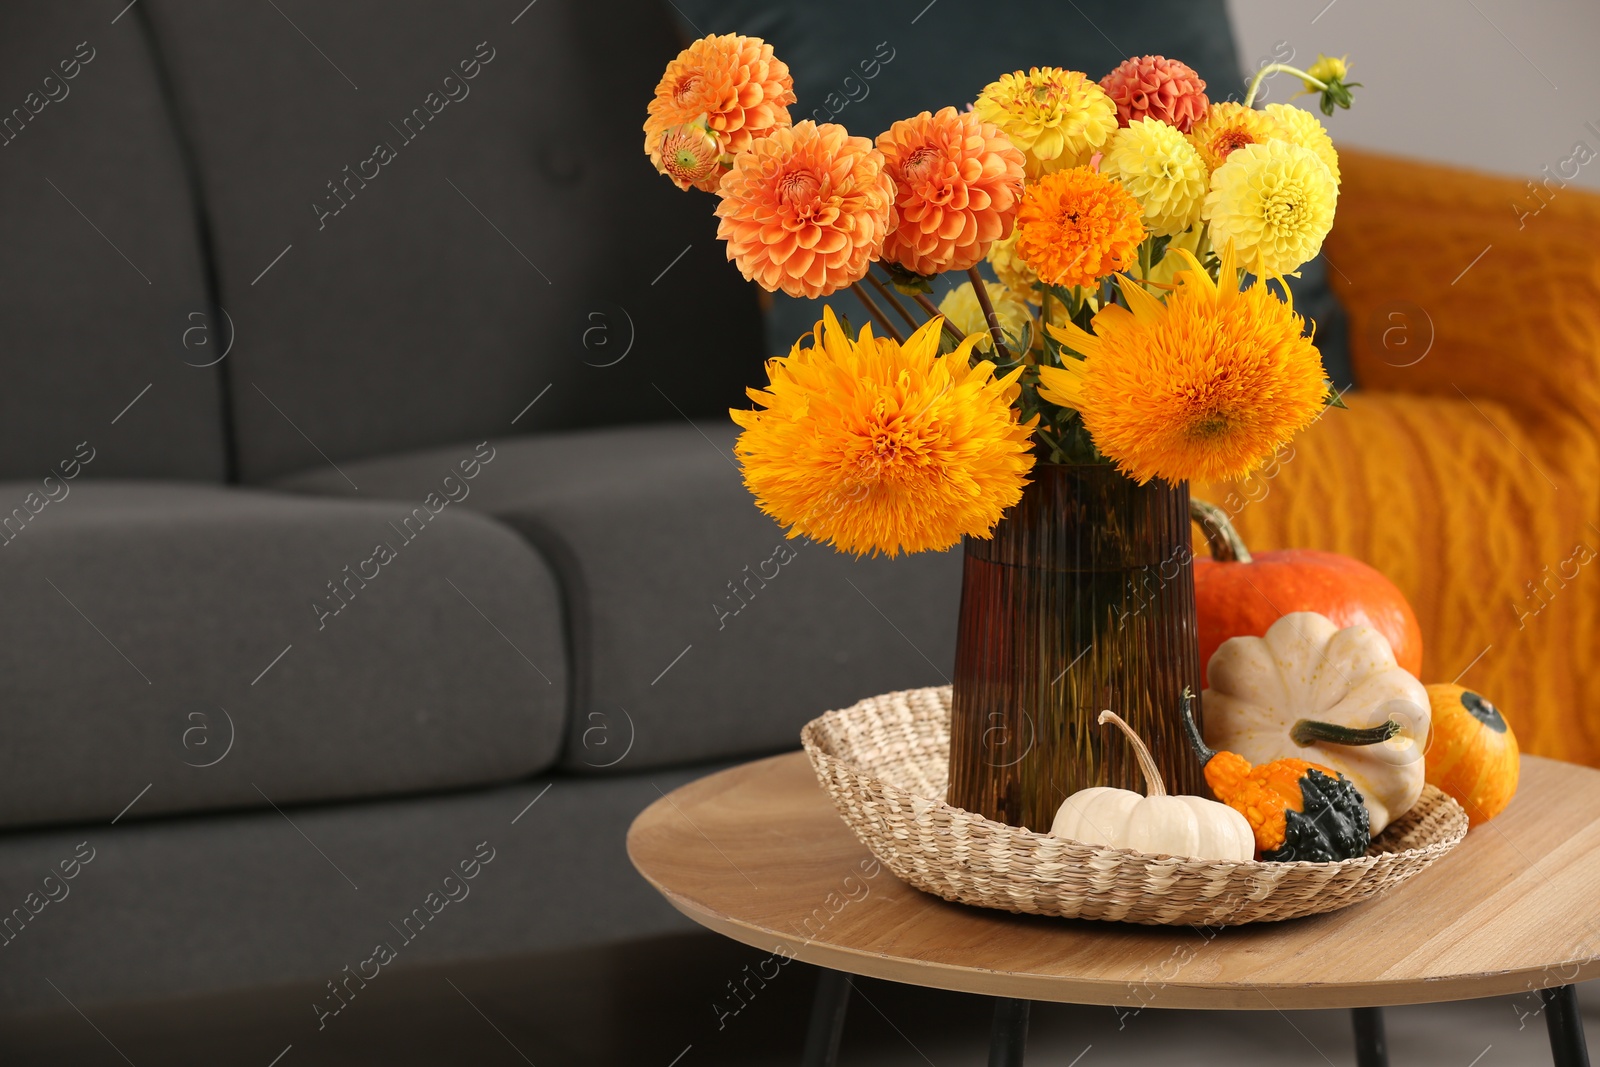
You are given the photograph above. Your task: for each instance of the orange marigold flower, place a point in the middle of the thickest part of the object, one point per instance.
(1207, 385)
(958, 182)
(1077, 226)
(806, 210)
(874, 446)
(732, 86)
(1158, 88)
(1230, 125)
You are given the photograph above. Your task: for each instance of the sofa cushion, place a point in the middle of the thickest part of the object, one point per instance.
(698, 630)
(512, 239)
(169, 908)
(183, 645)
(103, 299)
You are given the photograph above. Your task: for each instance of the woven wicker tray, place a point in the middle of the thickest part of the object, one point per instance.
(884, 763)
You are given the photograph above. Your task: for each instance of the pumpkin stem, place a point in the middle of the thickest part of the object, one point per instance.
(1226, 544)
(1192, 729)
(1153, 785)
(1311, 732)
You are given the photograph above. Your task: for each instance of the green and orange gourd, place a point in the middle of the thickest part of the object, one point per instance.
(1297, 810)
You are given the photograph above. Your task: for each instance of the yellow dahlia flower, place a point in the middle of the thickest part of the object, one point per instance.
(1162, 170)
(960, 306)
(1012, 270)
(1274, 202)
(874, 446)
(1229, 126)
(1301, 127)
(1207, 385)
(1059, 118)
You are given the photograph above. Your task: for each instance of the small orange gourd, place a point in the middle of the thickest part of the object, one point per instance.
(1472, 754)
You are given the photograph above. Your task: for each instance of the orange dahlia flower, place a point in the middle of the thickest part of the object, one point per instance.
(1156, 87)
(1228, 126)
(1077, 226)
(806, 210)
(1207, 385)
(958, 182)
(874, 446)
(733, 87)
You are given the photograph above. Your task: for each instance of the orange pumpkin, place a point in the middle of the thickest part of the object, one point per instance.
(1472, 754)
(1238, 594)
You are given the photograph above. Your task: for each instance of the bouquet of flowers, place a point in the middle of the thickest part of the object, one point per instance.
(1138, 234)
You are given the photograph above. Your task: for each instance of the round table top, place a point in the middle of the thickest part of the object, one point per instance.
(759, 854)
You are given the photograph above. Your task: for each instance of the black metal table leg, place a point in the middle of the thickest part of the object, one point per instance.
(1008, 1033)
(828, 1006)
(1372, 1047)
(1567, 1046)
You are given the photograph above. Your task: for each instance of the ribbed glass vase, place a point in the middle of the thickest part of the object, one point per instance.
(1083, 600)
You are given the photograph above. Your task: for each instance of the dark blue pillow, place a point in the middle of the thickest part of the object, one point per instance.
(866, 63)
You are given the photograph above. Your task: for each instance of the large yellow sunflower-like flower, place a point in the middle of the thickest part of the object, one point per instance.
(1301, 127)
(1059, 118)
(874, 446)
(960, 306)
(729, 90)
(1077, 226)
(1162, 170)
(1275, 203)
(1229, 126)
(1207, 385)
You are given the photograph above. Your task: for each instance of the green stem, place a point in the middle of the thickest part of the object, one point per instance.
(1311, 732)
(1203, 751)
(877, 314)
(1225, 543)
(1277, 68)
(996, 334)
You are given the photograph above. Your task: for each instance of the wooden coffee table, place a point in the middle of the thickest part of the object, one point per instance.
(758, 853)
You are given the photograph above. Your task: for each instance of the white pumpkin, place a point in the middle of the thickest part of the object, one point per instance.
(1306, 681)
(1157, 823)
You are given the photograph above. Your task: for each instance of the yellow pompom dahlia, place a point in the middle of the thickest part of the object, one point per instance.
(733, 88)
(1162, 170)
(1207, 385)
(1301, 127)
(958, 181)
(1274, 202)
(1059, 118)
(1077, 226)
(806, 209)
(1012, 270)
(874, 446)
(960, 306)
(1229, 126)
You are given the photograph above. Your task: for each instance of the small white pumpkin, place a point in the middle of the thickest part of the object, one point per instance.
(1305, 684)
(1157, 823)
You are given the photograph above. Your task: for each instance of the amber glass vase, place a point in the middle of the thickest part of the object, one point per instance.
(1083, 600)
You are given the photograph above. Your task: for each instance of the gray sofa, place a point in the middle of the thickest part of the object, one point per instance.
(341, 525)
(367, 509)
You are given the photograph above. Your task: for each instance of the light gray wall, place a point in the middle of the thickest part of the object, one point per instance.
(1497, 85)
